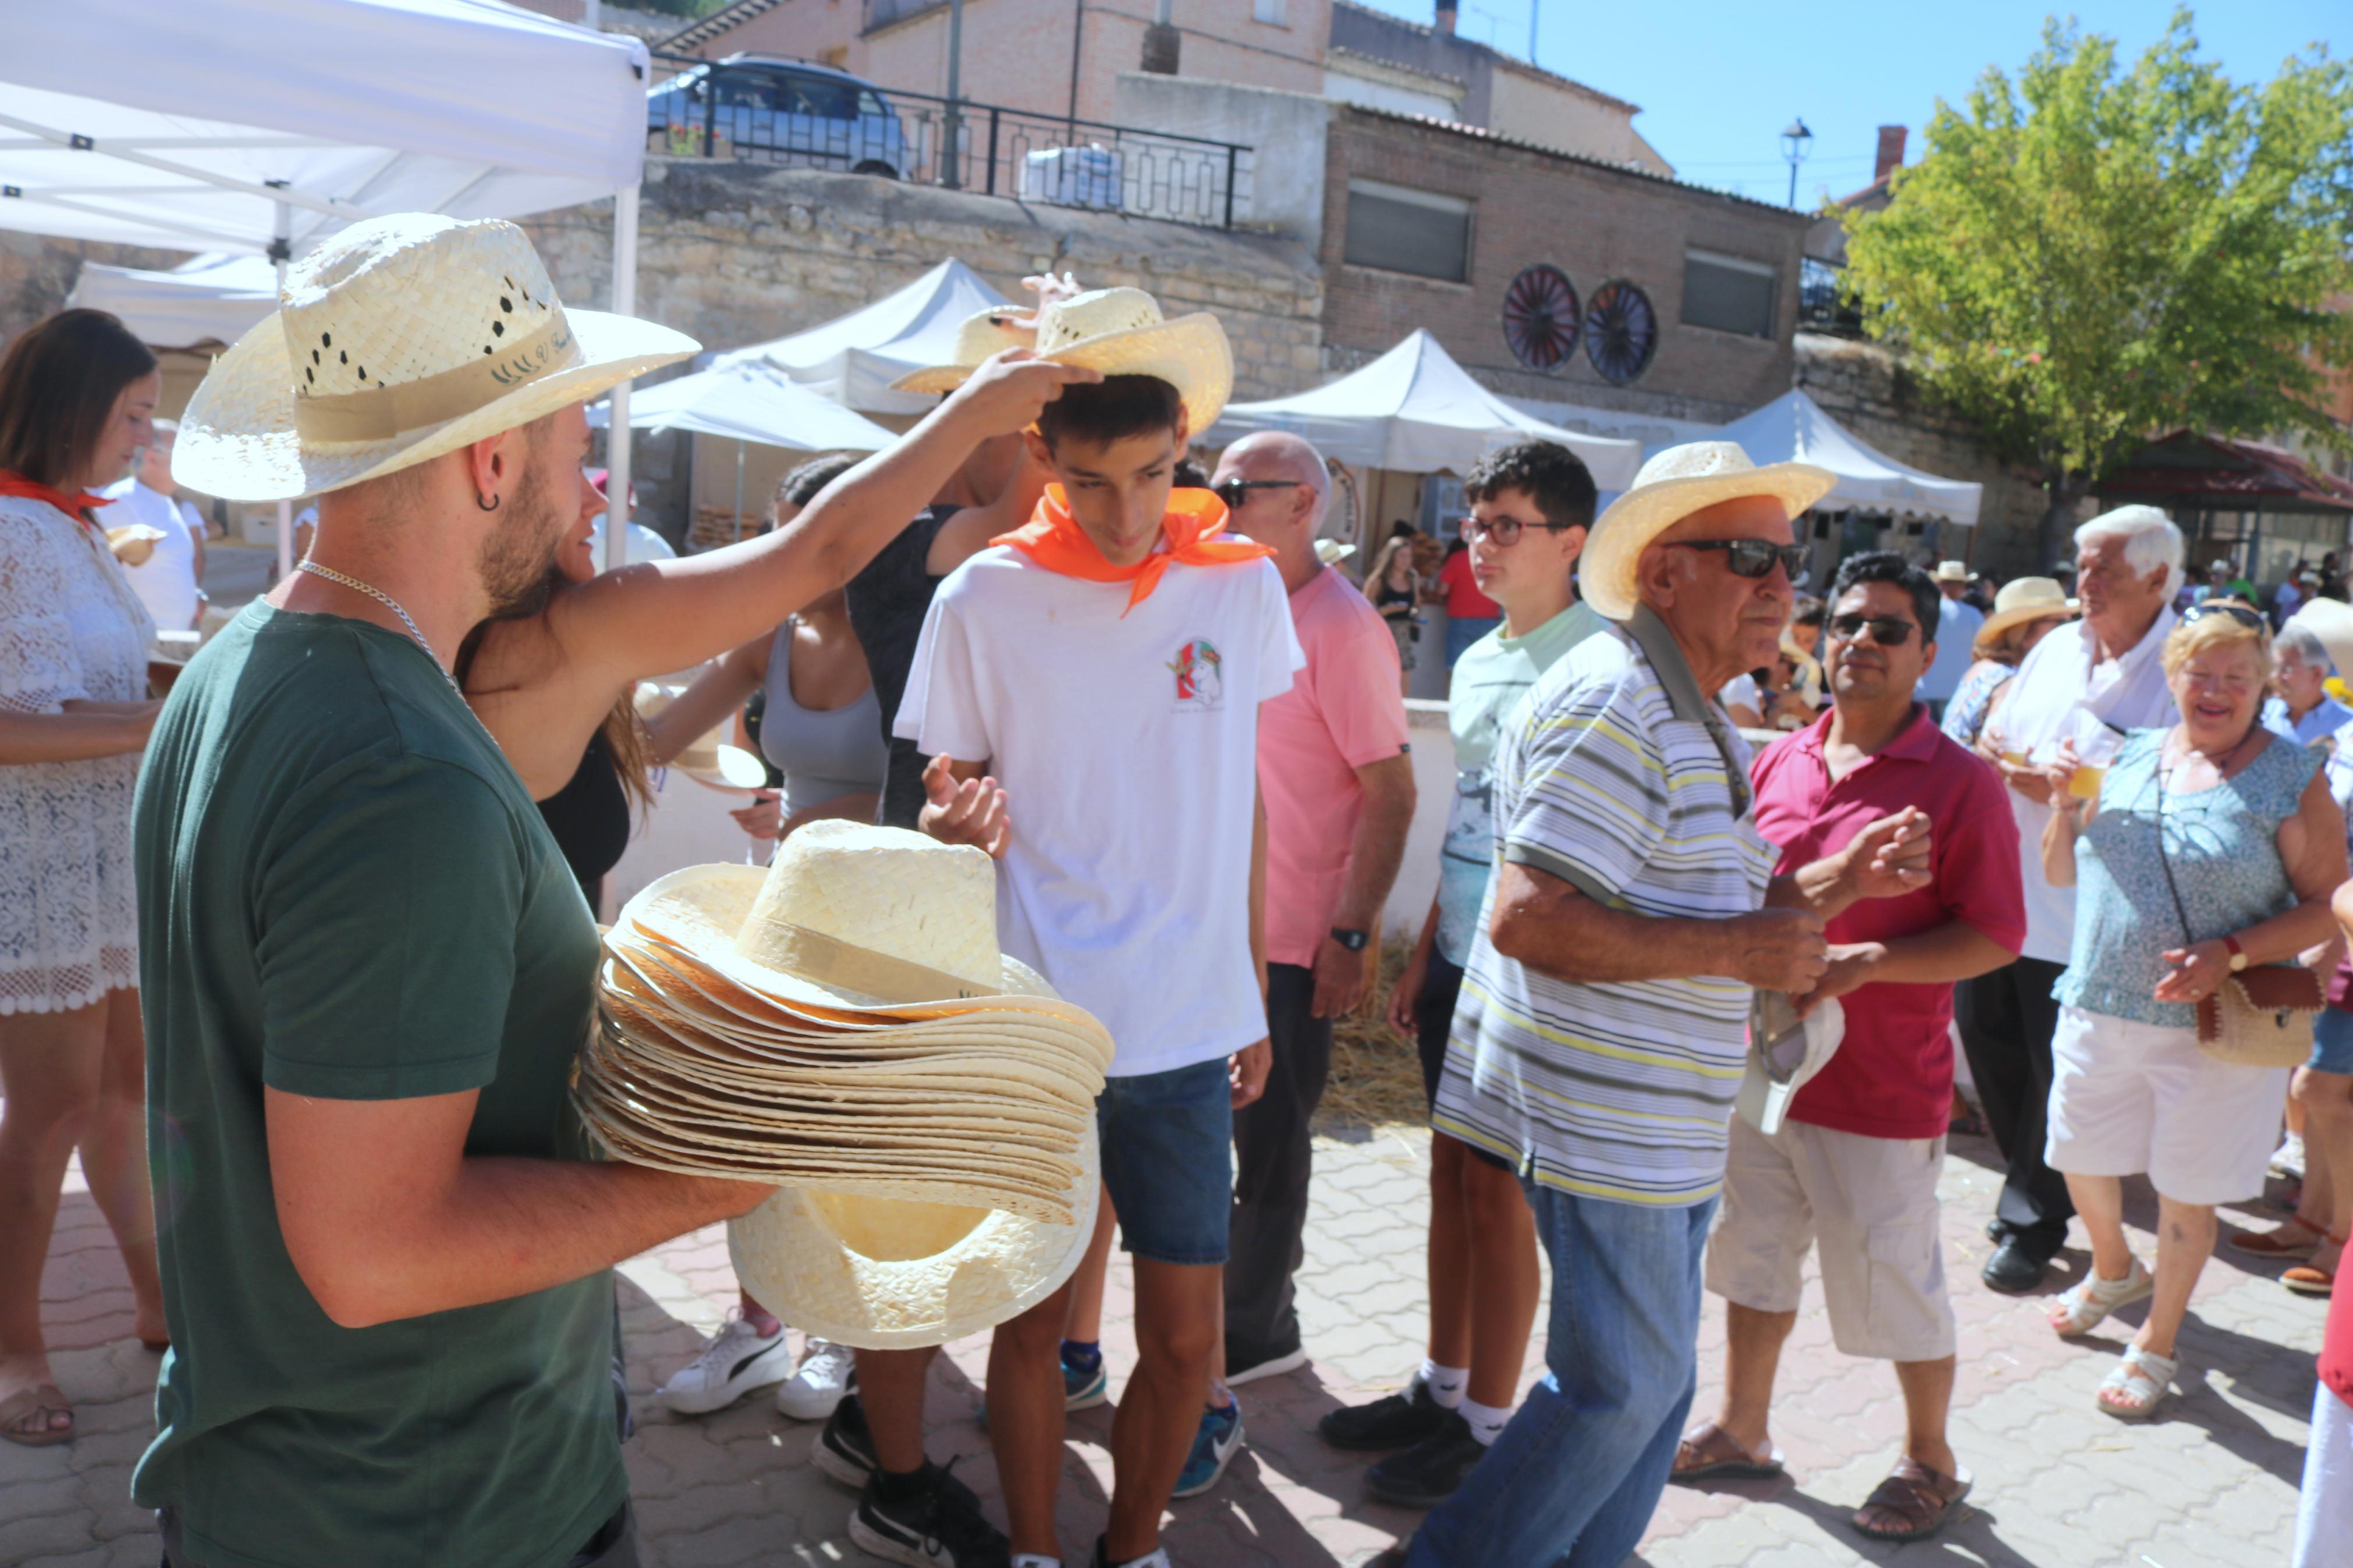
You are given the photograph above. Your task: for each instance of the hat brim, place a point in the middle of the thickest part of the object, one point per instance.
(2002, 621)
(1614, 552)
(237, 439)
(1190, 353)
(734, 770)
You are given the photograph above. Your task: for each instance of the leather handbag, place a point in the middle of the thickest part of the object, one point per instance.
(2260, 1017)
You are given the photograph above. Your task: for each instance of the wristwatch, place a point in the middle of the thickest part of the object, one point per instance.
(1354, 941)
(2238, 953)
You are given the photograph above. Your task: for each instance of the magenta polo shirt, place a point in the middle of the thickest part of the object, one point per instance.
(1893, 1075)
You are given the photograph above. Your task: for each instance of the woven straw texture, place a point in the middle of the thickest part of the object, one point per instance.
(1671, 486)
(1121, 331)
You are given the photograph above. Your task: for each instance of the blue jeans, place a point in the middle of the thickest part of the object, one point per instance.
(1462, 632)
(1573, 1478)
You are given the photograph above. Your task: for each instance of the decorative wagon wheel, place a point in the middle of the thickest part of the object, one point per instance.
(1621, 330)
(1540, 317)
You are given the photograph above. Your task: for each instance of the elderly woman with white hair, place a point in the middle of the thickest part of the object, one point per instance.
(2205, 848)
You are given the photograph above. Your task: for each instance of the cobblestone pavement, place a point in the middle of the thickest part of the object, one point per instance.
(2210, 1485)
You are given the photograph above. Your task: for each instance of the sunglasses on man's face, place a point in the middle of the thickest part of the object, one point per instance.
(1234, 492)
(1886, 630)
(1754, 557)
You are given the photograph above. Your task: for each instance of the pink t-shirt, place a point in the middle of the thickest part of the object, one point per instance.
(1342, 711)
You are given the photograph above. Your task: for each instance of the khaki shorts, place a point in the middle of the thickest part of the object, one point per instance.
(1872, 1201)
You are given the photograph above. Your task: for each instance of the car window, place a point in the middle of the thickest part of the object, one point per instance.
(870, 104)
(822, 97)
(742, 90)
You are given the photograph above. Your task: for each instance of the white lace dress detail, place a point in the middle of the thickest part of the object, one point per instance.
(70, 627)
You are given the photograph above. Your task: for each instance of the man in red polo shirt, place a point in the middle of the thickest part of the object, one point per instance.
(1856, 1160)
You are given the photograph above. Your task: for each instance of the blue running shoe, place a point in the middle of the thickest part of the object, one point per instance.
(1085, 1390)
(1214, 1448)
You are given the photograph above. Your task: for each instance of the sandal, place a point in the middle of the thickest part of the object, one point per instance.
(1709, 1452)
(2310, 1278)
(2085, 1305)
(1921, 1500)
(30, 1417)
(2279, 1243)
(2141, 1379)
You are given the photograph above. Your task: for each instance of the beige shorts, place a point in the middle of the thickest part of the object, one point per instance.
(1870, 1202)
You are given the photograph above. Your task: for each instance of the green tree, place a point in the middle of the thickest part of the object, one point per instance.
(2087, 256)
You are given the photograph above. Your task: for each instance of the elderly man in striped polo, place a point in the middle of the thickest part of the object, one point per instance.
(1600, 1033)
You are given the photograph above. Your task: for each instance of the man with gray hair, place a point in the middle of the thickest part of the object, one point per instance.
(2089, 683)
(2301, 661)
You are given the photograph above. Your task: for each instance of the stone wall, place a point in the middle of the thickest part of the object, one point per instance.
(37, 272)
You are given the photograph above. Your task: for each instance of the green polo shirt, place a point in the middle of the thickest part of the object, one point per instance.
(346, 892)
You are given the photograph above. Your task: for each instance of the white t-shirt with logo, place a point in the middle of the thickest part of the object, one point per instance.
(1127, 745)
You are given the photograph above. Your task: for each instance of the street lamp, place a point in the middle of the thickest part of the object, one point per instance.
(1796, 143)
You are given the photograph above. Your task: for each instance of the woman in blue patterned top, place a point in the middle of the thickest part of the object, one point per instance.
(2220, 826)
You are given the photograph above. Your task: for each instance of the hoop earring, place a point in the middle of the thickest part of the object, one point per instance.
(491, 505)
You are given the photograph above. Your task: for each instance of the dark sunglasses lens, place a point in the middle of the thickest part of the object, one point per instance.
(1754, 558)
(1885, 633)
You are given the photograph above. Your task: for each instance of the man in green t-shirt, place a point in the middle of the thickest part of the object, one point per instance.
(365, 967)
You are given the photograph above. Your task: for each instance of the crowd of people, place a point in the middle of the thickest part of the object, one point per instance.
(314, 933)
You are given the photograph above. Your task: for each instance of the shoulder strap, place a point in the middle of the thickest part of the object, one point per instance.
(2164, 859)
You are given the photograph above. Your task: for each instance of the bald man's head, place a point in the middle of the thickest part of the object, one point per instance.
(1284, 491)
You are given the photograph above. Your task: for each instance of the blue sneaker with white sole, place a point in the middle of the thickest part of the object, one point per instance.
(1085, 1389)
(1214, 1448)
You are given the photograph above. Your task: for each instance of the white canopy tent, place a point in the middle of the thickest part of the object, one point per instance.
(112, 125)
(1793, 427)
(1416, 411)
(853, 359)
(209, 300)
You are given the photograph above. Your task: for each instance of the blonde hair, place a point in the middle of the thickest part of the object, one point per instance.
(2207, 632)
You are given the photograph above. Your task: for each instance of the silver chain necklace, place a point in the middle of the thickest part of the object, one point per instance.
(389, 603)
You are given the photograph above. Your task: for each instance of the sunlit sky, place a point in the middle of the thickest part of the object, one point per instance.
(1718, 81)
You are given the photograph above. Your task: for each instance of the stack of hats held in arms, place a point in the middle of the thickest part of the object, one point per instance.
(843, 1025)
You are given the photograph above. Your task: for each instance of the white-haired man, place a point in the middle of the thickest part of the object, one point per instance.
(2301, 661)
(2089, 683)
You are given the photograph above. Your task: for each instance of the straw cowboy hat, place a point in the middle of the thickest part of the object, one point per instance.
(845, 1026)
(134, 542)
(2330, 620)
(1671, 486)
(1121, 331)
(396, 341)
(1952, 572)
(1332, 552)
(2025, 599)
(708, 759)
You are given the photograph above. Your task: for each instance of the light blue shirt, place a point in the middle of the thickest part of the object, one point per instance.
(1957, 633)
(2324, 721)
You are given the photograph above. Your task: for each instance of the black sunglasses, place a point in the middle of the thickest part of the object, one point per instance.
(2250, 619)
(1504, 530)
(1886, 630)
(1234, 492)
(1754, 557)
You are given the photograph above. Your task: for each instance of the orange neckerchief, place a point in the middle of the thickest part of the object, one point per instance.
(1053, 538)
(13, 483)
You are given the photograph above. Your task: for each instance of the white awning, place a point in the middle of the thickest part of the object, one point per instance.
(1416, 411)
(211, 300)
(750, 402)
(853, 359)
(1793, 427)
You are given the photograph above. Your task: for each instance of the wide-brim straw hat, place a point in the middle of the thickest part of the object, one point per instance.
(2330, 620)
(1671, 486)
(1122, 331)
(1332, 552)
(396, 341)
(1952, 572)
(2023, 599)
(709, 759)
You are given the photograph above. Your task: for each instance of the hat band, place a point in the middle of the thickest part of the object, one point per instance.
(381, 413)
(830, 961)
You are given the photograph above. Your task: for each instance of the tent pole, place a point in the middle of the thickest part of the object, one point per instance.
(281, 229)
(739, 492)
(616, 437)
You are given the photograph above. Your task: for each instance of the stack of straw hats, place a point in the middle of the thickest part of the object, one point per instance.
(843, 1025)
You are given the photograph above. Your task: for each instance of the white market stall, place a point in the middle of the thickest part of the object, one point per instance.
(207, 299)
(853, 359)
(255, 127)
(1793, 427)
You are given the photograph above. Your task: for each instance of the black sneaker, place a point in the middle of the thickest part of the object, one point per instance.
(845, 1449)
(935, 1524)
(1392, 1421)
(1427, 1474)
(1156, 1558)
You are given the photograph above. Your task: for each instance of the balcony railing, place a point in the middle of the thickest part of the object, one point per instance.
(958, 145)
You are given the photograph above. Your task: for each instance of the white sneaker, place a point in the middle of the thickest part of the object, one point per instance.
(2288, 1164)
(738, 1359)
(811, 1393)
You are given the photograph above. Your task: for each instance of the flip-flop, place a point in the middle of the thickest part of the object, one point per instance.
(1709, 1452)
(46, 1400)
(1922, 1498)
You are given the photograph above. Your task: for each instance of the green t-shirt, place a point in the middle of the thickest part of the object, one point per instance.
(346, 892)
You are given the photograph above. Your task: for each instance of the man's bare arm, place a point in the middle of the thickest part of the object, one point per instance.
(1940, 955)
(1377, 847)
(386, 1217)
(1544, 921)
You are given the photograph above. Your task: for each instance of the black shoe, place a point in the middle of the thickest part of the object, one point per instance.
(2013, 1269)
(933, 1521)
(1997, 1230)
(1427, 1474)
(845, 1449)
(1392, 1421)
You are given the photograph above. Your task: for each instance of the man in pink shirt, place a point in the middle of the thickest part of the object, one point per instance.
(1332, 764)
(1856, 1160)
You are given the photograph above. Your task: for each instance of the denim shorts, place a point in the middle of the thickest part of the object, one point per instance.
(1168, 1160)
(2332, 1042)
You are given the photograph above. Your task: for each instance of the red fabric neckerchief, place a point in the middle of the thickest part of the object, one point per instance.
(1053, 538)
(13, 483)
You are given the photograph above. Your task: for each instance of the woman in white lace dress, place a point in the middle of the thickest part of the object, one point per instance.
(76, 395)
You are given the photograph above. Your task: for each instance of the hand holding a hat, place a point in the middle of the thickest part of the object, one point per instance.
(1850, 966)
(1775, 949)
(1011, 388)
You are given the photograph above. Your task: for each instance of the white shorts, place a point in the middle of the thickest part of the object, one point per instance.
(1873, 1203)
(2127, 1096)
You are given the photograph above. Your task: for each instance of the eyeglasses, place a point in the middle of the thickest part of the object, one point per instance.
(1505, 531)
(1886, 630)
(1234, 492)
(1756, 557)
(2250, 619)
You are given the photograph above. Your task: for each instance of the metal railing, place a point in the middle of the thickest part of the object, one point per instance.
(958, 145)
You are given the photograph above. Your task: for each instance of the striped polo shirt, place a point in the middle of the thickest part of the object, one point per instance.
(1625, 780)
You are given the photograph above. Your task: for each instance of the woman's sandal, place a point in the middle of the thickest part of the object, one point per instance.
(2086, 1305)
(30, 1417)
(1921, 1500)
(2141, 1378)
(2311, 1279)
(2279, 1243)
(1709, 1452)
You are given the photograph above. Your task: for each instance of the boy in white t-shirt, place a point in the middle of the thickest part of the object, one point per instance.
(1089, 688)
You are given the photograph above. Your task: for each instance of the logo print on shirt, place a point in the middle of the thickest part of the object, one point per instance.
(1200, 675)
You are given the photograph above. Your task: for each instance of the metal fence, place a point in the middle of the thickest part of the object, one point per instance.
(760, 115)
